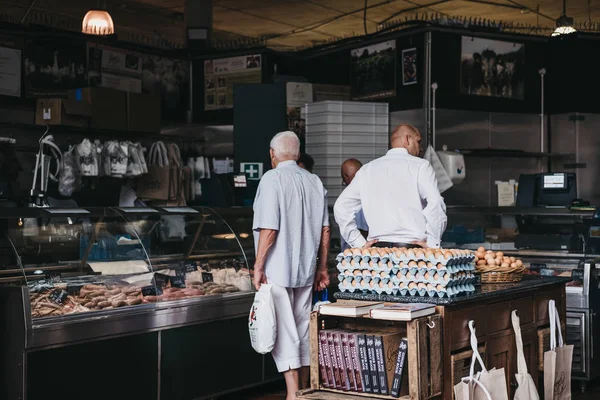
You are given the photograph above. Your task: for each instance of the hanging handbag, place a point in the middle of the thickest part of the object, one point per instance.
(526, 389)
(484, 385)
(557, 361)
(156, 184)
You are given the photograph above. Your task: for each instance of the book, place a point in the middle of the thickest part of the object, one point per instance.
(381, 367)
(322, 364)
(361, 343)
(339, 355)
(358, 377)
(402, 312)
(350, 308)
(399, 370)
(348, 360)
(334, 361)
(372, 364)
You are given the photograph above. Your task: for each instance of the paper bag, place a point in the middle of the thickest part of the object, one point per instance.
(156, 185)
(557, 361)
(526, 389)
(485, 385)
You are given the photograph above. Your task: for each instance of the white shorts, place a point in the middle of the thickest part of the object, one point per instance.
(292, 308)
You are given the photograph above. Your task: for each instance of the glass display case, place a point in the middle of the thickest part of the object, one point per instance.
(80, 261)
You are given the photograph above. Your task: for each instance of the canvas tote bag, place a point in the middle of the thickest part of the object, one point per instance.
(557, 361)
(484, 385)
(526, 389)
(156, 184)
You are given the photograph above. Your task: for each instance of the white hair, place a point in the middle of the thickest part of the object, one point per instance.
(286, 146)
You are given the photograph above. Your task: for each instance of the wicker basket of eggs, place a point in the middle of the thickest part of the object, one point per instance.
(495, 267)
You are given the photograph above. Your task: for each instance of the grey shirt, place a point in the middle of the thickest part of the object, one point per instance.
(293, 202)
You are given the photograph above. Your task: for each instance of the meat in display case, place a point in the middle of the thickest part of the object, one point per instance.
(71, 276)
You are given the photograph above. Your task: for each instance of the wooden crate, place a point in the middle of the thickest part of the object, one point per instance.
(543, 342)
(424, 364)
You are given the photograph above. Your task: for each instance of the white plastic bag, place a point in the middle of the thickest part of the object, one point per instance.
(262, 321)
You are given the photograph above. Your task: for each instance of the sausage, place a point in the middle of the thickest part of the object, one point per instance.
(129, 290)
(119, 303)
(135, 301)
(120, 296)
(104, 304)
(113, 292)
(151, 299)
(96, 294)
(89, 304)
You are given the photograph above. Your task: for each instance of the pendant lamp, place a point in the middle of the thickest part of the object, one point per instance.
(98, 22)
(564, 24)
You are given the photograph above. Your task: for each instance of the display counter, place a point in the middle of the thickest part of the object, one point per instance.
(151, 295)
(490, 307)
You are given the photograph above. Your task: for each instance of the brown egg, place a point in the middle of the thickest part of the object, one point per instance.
(430, 265)
(519, 263)
(363, 284)
(381, 264)
(373, 251)
(398, 253)
(408, 275)
(427, 275)
(363, 264)
(491, 262)
(381, 284)
(357, 272)
(476, 259)
(512, 259)
(365, 252)
(436, 276)
(439, 288)
(480, 254)
(399, 274)
(410, 253)
(422, 264)
(446, 277)
(372, 264)
(372, 284)
(513, 265)
(489, 256)
(422, 286)
(499, 254)
(419, 254)
(438, 254)
(356, 252)
(347, 252)
(430, 287)
(498, 260)
(447, 255)
(412, 264)
(354, 283)
(481, 249)
(401, 265)
(504, 265)
(402, 285)
(390, 285)
(412, 285)
(482, 262)
(489, 252)
(429, 253)
(344, 262)
(374, 274)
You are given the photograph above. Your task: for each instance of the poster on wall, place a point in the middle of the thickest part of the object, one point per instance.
(492, 68)
(10, 66)
(409, 66)
(221, 74)
(298, 94)
(114, 68)
(373, 71)
(168, 78)
(54, 66)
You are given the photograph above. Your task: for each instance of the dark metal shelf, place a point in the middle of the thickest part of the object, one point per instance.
(497, 153)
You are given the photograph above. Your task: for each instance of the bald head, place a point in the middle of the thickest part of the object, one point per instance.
(407, 137)
(349, 169)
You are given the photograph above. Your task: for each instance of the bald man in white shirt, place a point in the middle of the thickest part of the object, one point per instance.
(399, 197)
(291, 228)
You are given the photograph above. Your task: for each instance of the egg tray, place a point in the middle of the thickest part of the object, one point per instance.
(382, 270)
(398, 257)
(393, 286)
(428, 276)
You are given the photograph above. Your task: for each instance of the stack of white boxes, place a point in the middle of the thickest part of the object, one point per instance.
(338, 130)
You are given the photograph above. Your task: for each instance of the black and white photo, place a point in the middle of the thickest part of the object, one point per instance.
(373, 71)
(492, 68)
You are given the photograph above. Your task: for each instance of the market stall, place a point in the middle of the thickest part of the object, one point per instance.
(145, 294)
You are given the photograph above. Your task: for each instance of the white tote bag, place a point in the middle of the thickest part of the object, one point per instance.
(557, 361)
(262, 321)
(485, 385)
(526, 389)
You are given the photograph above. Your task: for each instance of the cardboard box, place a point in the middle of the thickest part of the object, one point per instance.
(57, 111)
(143, 113)
(108, 107)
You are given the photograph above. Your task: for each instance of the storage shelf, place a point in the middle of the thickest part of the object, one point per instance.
(498, 153)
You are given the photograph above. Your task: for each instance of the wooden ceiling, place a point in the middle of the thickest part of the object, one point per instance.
(290, 24)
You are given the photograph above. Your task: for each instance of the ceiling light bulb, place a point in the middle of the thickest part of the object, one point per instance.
(563, 30)
(98, 22)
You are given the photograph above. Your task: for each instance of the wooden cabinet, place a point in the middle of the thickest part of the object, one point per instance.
(495, 333)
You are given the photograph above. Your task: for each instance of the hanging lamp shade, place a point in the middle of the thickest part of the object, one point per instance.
(98, 22)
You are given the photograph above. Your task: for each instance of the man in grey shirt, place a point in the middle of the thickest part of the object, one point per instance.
(291, 236)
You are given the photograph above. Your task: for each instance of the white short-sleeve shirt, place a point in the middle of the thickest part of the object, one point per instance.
(293, 202)
(361, 224)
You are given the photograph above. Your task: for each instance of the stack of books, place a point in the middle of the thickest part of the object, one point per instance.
(362, 361)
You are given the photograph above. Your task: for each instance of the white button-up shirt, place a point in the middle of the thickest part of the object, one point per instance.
(293, 202)
(400, 199)
(361, 224)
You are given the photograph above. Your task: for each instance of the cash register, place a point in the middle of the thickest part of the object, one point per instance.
(553, 218)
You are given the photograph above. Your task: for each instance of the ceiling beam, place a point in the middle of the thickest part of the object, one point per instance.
(415, 8)
(337, 10)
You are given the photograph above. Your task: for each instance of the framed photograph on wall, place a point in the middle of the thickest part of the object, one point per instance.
(409, 66)
(492, 68)
(373, 71)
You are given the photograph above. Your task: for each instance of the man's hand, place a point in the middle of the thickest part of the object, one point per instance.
(422, 243)
(259, 277)
(370, 243)
(321, 279)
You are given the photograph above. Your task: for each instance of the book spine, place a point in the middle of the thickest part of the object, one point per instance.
(327, 359)
(372, 364)
(399, 370)
(358, 378)
(381, 370)
(348, 360)
(334, 362)
(344, 379)
(361, 341)
(322, 365)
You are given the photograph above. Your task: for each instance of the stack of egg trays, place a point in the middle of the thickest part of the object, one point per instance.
(400, 275)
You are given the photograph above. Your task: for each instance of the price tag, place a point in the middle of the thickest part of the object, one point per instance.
(74, 290)
(160, 280)
(207, 277)
(177, 281)
(190, 266)
(151, 290)
(58, 296)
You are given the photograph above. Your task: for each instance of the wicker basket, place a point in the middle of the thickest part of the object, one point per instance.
(499, 274)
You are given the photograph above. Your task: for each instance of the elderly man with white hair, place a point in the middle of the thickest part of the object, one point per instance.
(291, 235)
